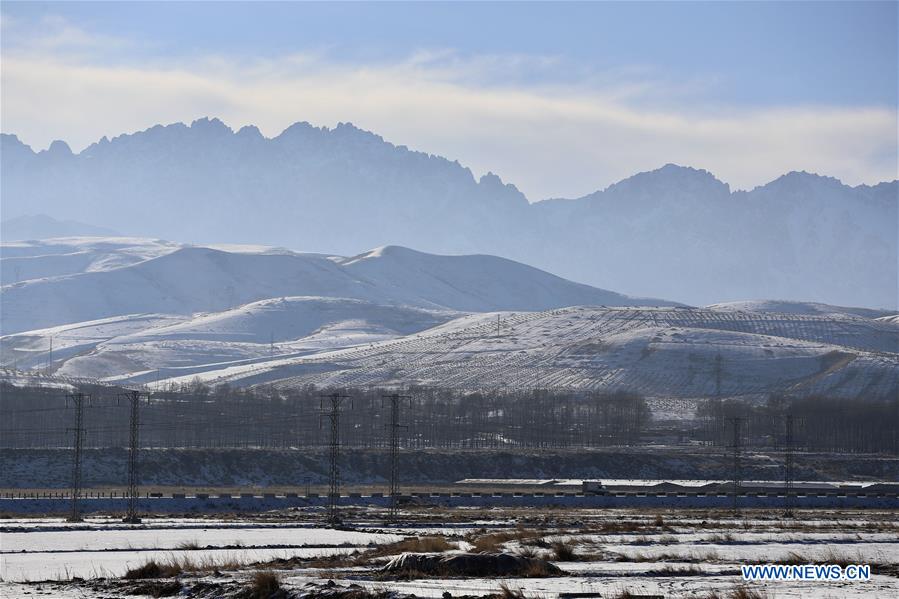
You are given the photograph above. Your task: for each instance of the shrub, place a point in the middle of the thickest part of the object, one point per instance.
(264, 584)
(563, 551)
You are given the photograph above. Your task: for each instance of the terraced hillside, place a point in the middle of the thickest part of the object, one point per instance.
(660, 352)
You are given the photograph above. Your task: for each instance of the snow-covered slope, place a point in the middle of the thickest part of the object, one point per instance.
(28, 260)
(668, 352)
(786, 307)
(200, 279)
(475, 283)
(175, 346)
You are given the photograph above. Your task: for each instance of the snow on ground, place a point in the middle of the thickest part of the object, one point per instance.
(673, 553)
(788, 307)
(100, 550)
(20, 567)
(22, 261)
(669, 352)
(191, 279)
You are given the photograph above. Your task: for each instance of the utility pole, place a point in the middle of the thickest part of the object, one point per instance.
(736, 462)
(50, 357)
(334, 400)
(788, 469)
(395, 401)
(78, 401)
(719, 414)
(134, 399)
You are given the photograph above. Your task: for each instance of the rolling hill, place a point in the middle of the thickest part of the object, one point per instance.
(660, 352)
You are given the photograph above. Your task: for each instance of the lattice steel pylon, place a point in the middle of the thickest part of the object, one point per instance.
(78, 400)
(788, 469)
(736, 463)
(134, 444)
(394, 493)
(334, 400)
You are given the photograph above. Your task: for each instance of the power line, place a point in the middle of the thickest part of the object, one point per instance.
(736, 462)
(134, 443)
(788, 469)
(394, 425)
(78, 400)
(334, 400)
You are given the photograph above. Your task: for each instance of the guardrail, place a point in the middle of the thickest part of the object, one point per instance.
(36, 503)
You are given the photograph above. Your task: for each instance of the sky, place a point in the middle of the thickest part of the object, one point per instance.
(560, 99)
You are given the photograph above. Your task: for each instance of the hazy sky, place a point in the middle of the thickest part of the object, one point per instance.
(560, 99)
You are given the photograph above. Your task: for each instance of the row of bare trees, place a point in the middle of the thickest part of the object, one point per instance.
(199, 416)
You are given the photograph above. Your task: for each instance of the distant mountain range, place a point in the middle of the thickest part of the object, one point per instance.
(41, 226)
(675, 232)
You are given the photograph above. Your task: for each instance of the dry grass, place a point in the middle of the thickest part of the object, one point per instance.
(619, 527)
(411, 545)
(175, 566)
(538, 569)
(693, 557)
(488, 543)
(264, 584)
(721, 538)
(154, 569)
(189, 545)
(506, 592)
(563, 552)
(831, 556)
(746, 593)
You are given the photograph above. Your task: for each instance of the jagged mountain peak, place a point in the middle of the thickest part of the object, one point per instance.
(58, 148)
(672, 176)
(794, 181)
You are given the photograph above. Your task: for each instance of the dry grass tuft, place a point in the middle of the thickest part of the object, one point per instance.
(506, 592)
(491, 542)
(563, 552)
(746, 593)
(264, 584)
(154, 569)
(527, 551)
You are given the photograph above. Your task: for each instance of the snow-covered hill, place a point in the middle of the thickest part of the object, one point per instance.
(22, 261)
(808, 308)
(186, 280)
(665, 352)
(253, 333)
(142, 310)
(119, 307)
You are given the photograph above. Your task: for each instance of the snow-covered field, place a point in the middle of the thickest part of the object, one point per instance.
(676, 554)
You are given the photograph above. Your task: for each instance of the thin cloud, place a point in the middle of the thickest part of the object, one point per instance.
(552, 140)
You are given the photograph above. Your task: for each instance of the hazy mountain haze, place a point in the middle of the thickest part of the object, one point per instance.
(674, 232)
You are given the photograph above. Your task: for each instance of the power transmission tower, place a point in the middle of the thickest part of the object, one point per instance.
(133, 480)
(334, 402)
(788, 469)
(78, 400)
(395, 426)
(736, 462)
